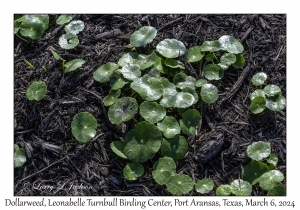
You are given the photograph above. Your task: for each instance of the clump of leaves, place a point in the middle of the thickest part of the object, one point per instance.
(19, 156)
(36, 91)
(269, 97)
(70, 39)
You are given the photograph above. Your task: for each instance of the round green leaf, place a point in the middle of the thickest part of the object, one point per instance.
(146, 61)
(122, 110)
(112, 97)
(180, 184)
(272, 159)
(276, 103)
(190, 120)
(171, 48)
(175, 147)
(230, 44)
(73, 65)
(270, 179)
(211, 46)
(257, 93)
(128, 58)
(131, 71)
(174, 63)
(209, 57)
(259, 78)
(272, 90)
(223, 66)
(33, 26)
(209, 93)
(193, 92)
(240, 61)
(228, 59)
(169, 126)
(118, 148)
(152, 111)
(277, 191)
(259, 150)
(63, 19)
(143, 36)
(223, 190)
(193, 54)
(36, 91)
(253, 170)
(163, 168)
(68, 41)
(74, 27)
(132, 171)
(142, 142)
(241, 188)
(200, 82)
(213, 72)
(84, 127)
(117, 80)
(184, 100)
(204, 186)
(104, 72)
(19, 156)
(258, 105)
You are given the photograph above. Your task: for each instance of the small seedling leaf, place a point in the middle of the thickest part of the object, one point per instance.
(272, 159)
(259, 150)
(230, 44)
(172, 63)
(193, 54)
(112, 97)
(209, 93)
(258, 105)
(57, 56)
(200, 82)
(122, 110)
(241, 188)
(152, 111)
(270, 179)
(223, 190)
(163, 168)
(277, 191)
(228, 59)
(68, 41)
(169, 126)
(63, 19)
(272, 90)
(142, 142)
(118, 148)
(259, 78)
(132, 171)
(73, 65)
(190, 120)
(204, 186)
(257, 93)
(84, 127)
(104, 72)
(253, 170)
(276, 103)
(74, 27)
(131, 71)
(36, 91)
(175, 147)
(240, 61)
(171, 48)
(143, 36)
(210, 46)
(19, 156)
(213, 72)
(180, 184)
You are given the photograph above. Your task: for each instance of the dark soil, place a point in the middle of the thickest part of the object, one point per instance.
(217, 151)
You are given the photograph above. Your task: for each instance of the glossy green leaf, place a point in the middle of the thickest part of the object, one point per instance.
(143, 36)
(223, 190)
(182, 81)
(33, 26)
(169, 126)
(213, 72)
(122, 110)
(117, 80)
(272, 159)
(204, 186)
(104, 72)
(190, 120)
(128, 58)
(36, 91)
(200, 82)
(73, 65)
(270, 179)
(257, 93)
(163, 168)
(259, 78)
(241, 188)
(112, 97)
(209, 93)
(258, 105)
(175, 147)
(145, 61)
(272, 90)
(118, 148)
(223, 66)
(276, 103)
(19, 156)
(68, 41)
(153, 73)
(193, 54)
(209, 57)
(171, 48)
(259, 150)
(57, 56)
(152, 111)
(74, 27)
(131, 71)
(211, 46)
(230, 44)
(142, 142)
(169, 98)
(228, 59)
(277, 191)
(172, 63)
(253, 170)
(184, 100)
(159, 65)
(63, 19)
(193, 92)
(132, 171)
(240, 61)
(84, 127)
(180, 184)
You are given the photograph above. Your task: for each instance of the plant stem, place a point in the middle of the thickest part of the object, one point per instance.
(216, 57)
(22, 38)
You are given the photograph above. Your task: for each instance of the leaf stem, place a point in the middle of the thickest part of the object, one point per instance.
(216, 57)
(22, 38)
